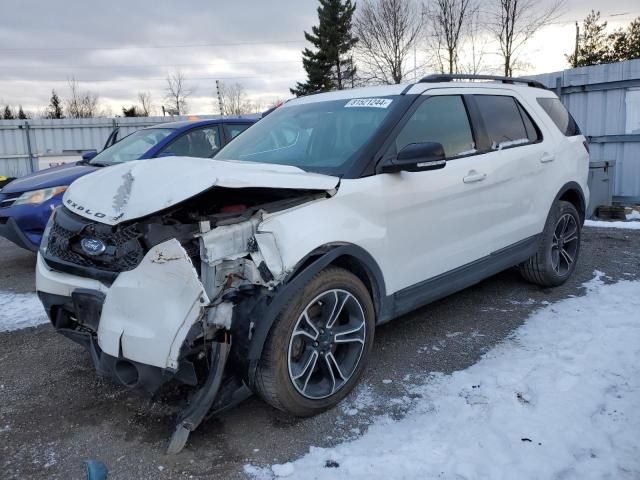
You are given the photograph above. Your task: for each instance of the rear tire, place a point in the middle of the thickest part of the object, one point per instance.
(313, 356)
(559, 248)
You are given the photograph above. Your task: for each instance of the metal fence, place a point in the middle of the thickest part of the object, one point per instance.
(25, 143)
(605, 101)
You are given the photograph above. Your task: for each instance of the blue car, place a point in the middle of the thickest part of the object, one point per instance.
(27, 202)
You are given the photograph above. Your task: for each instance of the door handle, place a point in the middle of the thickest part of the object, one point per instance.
(474, 176)
(547, 157)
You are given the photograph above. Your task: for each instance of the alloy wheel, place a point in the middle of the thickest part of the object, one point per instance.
(326, 344)
(564, 246)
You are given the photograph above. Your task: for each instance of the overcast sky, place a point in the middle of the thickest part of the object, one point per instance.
(119, 48)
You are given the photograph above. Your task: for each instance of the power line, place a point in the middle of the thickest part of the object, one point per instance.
(222, 44)
(144, 47)
(142, 79)
(602, 16)
(556, 22)
(221, 63)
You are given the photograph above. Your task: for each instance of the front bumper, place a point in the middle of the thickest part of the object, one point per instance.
(10, 230)
(123, 371)
(138, 330)
(24, 224)
(146, 313)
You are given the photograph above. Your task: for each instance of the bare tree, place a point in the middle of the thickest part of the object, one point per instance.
(254, 106)
(474, 50)
(513, 22)
(387, 31)
(448, 22)
(275, 102)
(73, 102)
(177, 92)
(146, 106)
(81, 104)
(234, 100)
(232, 97)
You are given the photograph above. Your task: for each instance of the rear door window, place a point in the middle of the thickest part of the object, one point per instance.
(233, 130)
(200, 142)
(442, 119)
(506, 122)
(560, 116)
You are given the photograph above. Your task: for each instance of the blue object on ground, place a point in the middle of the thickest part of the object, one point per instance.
(96, 470)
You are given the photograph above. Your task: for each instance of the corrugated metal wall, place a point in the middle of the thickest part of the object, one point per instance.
(43, 137)
(597, 98)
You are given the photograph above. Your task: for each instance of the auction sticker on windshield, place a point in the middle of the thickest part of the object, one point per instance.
(369, 102)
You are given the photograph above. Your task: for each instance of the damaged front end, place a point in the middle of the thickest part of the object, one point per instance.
(154, 299)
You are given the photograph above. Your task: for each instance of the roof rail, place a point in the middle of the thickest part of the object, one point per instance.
(447, 77)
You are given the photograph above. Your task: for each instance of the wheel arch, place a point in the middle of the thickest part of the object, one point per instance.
(349, 256)
(572, 192)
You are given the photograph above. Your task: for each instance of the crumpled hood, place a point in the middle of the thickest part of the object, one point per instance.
(135, 189)
(51, 177)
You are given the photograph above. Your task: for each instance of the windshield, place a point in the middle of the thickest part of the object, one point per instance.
(318, 136)
(131, 147)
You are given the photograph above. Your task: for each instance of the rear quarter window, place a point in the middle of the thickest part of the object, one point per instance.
(560, 116)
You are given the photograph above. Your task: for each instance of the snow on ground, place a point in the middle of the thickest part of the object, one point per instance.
(634, 215)
(618, 224)
(20, 310)
(558, 400)
(632, 222)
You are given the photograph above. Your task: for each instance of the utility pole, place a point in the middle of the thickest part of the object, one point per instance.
(353, 84)
(415, 49)
(575, 54)
(220, 106)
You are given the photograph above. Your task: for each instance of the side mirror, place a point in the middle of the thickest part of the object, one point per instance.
(89, 155)
(417, 157)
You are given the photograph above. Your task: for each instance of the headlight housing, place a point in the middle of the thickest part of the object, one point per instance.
(36, 197)
(44, 243)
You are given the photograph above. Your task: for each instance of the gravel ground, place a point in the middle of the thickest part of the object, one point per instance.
(55, 413)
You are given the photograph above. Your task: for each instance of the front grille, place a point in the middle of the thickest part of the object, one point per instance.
(124, 250)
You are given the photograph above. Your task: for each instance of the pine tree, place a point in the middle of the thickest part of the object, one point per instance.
(328, 67)
(54, 110)
(8, 114)
(21, 114)
(593, 46)
(625, 44)
(132, 111)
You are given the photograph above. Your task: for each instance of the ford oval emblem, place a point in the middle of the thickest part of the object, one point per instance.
(92, 246)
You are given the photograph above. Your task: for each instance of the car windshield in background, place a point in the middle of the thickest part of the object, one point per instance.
(131, 147)
(318, 136)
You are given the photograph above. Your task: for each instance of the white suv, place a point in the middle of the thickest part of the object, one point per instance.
(267, 269)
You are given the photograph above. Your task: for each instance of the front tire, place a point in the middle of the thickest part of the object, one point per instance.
(318, 346)
(559, 248)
